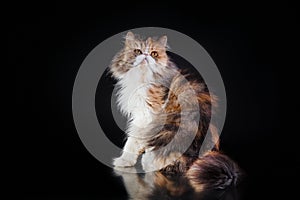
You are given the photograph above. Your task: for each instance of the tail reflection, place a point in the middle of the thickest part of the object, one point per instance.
(155, 185)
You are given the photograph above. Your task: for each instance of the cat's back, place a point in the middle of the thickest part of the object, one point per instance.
(186, 92)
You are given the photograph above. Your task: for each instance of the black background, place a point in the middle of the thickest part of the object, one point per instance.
(252, 45)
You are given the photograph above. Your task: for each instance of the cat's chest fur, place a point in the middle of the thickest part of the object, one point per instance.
(133, 95)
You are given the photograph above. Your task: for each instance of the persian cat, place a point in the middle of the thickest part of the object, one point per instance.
(169, 112)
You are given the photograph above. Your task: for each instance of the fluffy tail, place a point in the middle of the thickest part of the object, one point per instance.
(213, 171)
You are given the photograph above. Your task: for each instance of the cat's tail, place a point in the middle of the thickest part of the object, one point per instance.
(214, 171)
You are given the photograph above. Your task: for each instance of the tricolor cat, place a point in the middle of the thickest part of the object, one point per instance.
(168, 114)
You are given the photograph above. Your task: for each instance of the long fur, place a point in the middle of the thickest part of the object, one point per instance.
(169, 113)
(213, 170)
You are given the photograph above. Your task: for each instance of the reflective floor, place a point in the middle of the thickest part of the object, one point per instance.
(157, 186)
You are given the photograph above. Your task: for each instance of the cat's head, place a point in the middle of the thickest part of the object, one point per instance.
(149, 53)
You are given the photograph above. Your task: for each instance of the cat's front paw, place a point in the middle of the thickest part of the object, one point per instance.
(121, 162)
(124, 171)
(148, 162)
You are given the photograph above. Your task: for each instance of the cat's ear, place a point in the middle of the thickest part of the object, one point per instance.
(129, 38)
(163, 40)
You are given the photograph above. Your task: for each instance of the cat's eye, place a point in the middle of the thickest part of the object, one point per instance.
(154, 54)
(137, 52)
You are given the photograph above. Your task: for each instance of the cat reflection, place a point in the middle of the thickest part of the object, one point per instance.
(155, 185)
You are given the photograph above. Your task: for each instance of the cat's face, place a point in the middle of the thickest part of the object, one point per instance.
(149, 54)
(146, 52)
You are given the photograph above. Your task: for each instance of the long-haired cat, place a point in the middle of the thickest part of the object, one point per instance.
(169, 114)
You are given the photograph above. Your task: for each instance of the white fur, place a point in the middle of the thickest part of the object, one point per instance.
(138, 60)
(144, 59)
(132, 101)
(130, 153)
(132, 96)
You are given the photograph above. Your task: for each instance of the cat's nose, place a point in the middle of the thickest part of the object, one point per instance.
(146, 54)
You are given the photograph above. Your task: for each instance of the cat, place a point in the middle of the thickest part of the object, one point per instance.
(169, 112)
